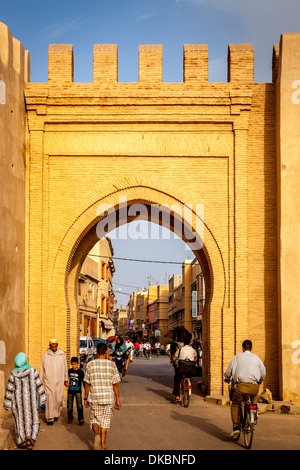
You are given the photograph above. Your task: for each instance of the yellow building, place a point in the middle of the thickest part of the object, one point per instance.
(137, 313)
(180, 303)
(120, 320)
(88, 298)
(198, 299)
(158, 315)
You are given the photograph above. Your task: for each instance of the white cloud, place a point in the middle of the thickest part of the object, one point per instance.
(261, 22)
(263, 17)
(61, 27)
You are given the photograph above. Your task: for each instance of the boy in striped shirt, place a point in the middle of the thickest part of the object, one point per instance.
(101, 390)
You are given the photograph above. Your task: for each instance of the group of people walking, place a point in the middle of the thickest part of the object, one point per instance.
(142, 348)
(26, 388)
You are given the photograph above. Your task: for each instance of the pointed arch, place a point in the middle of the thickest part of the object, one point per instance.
(81, 236)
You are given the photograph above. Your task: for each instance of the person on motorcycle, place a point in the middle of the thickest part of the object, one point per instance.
(120, 346)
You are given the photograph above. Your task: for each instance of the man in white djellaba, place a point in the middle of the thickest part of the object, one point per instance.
(54, 375)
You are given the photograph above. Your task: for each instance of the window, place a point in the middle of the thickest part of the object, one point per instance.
(103, 304)
(102, 270)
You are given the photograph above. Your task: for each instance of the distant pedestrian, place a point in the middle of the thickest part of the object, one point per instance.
(54, 375)
(157, 348)
(101, 388)
(23, 393)
(173, 348)
(75, 384)
(197, 346)
(137, 348)
(130, 348)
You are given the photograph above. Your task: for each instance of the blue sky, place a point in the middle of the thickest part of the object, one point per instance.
(129, 23)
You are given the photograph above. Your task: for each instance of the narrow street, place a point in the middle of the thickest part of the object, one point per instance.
(149, 420)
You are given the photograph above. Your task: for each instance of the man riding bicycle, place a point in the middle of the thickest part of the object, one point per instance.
(247, 372)
(182, 354)
(147, 349)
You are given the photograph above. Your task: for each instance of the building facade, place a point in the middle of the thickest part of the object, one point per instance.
(197, 291)
(88, 298)
(158, 315)
(180, 302)
(120, 320)
(137, 315)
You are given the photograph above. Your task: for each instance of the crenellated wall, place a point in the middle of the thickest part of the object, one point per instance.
(14, 74)
(195, 64)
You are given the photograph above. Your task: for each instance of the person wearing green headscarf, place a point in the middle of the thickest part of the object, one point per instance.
(21, 362)
(23, 392)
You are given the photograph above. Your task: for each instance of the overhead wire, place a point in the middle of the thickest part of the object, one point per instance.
(138, 260)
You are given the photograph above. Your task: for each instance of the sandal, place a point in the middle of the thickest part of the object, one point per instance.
(29, 443)
(22, 446)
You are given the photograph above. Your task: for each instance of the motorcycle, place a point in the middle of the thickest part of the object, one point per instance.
(120, 358)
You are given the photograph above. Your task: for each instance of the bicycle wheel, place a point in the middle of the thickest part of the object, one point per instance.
(248, 430)
(185, 393)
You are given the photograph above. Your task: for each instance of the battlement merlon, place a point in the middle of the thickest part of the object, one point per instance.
(105, 61)
(13, 56)
(240, 64)
(151, 63)
(195, 63)
(60, 63)
(275, 62)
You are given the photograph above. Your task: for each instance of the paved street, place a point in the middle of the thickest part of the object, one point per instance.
(149, 420)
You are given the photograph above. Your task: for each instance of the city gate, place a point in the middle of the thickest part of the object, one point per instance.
(186, 144)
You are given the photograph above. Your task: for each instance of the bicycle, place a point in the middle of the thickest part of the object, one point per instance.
(248, 414)
(147, 353)
(185, 390)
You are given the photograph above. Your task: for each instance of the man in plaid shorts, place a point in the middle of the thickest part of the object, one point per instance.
(101, 389)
